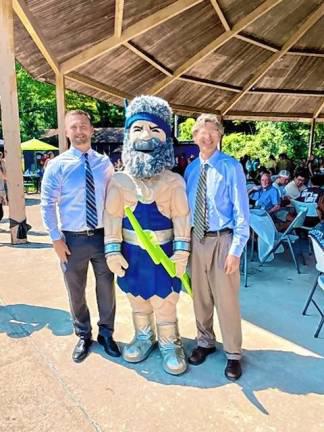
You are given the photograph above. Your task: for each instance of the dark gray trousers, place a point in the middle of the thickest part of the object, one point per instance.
(85, 249)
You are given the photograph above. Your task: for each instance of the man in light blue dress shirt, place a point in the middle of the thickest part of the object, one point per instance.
(72, 202)
(217, 248)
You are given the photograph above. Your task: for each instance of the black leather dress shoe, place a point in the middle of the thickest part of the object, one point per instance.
(233, 370)
(199, 355)
(81, 350)
(109, 345)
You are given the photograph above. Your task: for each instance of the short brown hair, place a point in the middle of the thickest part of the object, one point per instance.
(208, 118)
(78, 112)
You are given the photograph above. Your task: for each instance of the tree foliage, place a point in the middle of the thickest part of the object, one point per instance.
(37, 107)
(265, 138)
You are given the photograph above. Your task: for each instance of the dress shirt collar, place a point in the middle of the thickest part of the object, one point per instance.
(212, 160)
(77, 153)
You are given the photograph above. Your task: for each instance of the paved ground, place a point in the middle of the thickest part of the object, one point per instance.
(41, 389)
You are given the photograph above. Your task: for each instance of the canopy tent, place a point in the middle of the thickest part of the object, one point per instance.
(37, 145)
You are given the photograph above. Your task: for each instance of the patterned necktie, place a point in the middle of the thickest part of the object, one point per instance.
(91, 210)
(201, 209)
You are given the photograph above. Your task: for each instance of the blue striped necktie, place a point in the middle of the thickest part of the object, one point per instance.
(201, 209)
(91, 210)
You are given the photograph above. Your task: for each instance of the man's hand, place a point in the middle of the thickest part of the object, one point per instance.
(232, 263)
(61, 250)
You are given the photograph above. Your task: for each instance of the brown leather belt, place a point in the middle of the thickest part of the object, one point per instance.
(219, 232)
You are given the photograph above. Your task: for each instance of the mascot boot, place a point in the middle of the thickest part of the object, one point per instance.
(174, 361)
(144, 339)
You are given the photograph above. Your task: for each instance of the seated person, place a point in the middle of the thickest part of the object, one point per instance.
(317, 233)
(33, 171)
(312, 193)
(296, 186)
(281, 182)
(265, 196)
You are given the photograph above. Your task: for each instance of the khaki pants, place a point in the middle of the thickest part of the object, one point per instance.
(212, 287)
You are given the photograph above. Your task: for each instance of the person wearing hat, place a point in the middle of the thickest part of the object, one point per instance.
(157, 197)
(281, 182)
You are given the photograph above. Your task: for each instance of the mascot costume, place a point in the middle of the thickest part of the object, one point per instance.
(158, 199)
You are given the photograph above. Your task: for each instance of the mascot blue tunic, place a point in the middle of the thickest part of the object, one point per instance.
(158, 199)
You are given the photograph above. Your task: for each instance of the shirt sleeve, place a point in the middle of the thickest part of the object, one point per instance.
(50, 196)
(241, 230)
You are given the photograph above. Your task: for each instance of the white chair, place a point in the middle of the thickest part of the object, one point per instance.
(319, 257)
(288, 237)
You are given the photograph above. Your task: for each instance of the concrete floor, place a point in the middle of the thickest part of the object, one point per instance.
(41, 389)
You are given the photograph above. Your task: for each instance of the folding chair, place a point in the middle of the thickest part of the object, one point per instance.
(311, 213)
(288, 237)
(319, 281)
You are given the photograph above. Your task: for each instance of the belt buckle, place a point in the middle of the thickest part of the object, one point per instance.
(90, 233)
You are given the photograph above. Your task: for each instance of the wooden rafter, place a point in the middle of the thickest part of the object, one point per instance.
(35, 33)
(265, 66)
(220, 14)
(132, 47)
(119, 12)
(96, 85)
(256, 42)
(217, 43)
(319, 109)
(305, 53)
(269, 116)
(208, 83)
(226, 87)
(293, 52)
(131, 32)
(287, 92)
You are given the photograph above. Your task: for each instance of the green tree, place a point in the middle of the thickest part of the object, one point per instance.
(185, 129)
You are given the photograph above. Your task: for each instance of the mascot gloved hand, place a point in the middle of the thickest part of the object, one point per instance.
(117, 264)
(158, 199)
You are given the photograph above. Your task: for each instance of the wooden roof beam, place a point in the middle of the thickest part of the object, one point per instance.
(268, 116)
(256, 42)
(132, 47)
(217, 43)
(265, 66)
(319, 110)
(234, 89)
(31, 25)
(208, 83)
(253, 41)
(286, 92)
(220, 14)
(131, 32)
(96, 85)
(305, 53)
(119, 12)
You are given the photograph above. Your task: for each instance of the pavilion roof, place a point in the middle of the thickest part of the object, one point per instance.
(243, 59)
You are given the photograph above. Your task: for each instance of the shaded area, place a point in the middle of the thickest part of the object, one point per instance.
(285, 371)
(275, 297)
(21, 320)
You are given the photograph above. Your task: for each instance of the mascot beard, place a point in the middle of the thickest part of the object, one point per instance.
(147, 158)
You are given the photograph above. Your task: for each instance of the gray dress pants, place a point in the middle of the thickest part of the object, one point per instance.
(85, 249)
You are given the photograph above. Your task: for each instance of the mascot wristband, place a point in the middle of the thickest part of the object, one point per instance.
(181, 245)
(112, 248)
